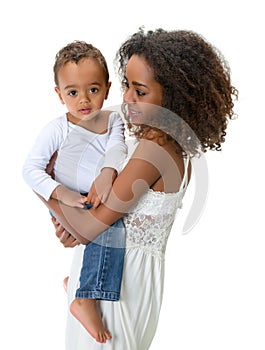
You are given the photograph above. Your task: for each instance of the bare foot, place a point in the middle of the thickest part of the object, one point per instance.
(65, 283)
(87, 313)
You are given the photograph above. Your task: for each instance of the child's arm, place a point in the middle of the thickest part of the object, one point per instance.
(116, 149)
(44, 148)
(68, 197)
(115, 154)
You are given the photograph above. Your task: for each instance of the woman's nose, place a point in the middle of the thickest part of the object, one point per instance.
(129, 96)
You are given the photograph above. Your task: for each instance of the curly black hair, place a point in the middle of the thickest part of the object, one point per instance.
(196, 83)
(75, 52)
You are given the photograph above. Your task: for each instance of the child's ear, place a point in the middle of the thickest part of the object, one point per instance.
(107, 91)
(57, 90)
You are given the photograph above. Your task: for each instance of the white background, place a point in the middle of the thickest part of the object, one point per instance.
(214, 288)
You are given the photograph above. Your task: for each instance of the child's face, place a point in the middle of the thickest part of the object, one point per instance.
(82, 88)
(142, 91)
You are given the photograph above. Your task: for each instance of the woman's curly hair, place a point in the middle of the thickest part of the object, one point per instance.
(75, 52)
(195, 78)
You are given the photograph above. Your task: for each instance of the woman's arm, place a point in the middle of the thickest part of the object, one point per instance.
(144, 168)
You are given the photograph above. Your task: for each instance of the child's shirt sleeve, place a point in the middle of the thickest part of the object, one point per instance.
(116, 150)
(47, 143)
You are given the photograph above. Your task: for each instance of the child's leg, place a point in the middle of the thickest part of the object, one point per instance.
(100, 278)
(86, 312)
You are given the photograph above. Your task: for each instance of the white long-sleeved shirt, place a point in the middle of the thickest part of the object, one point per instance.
(81, 155)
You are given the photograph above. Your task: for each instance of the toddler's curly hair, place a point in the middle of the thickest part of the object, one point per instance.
(75, 52)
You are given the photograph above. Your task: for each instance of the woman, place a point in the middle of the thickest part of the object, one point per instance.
(181, 72)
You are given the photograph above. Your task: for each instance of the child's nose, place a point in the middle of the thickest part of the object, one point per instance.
(84, 96)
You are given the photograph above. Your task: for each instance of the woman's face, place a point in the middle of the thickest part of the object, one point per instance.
(142, 92)
(140, 84)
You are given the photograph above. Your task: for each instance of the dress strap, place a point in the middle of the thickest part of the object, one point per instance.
(184, 182)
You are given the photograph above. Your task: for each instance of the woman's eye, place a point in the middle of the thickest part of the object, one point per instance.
(140, 93)
(72, 93)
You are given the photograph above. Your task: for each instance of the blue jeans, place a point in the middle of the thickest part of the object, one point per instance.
(102, 267)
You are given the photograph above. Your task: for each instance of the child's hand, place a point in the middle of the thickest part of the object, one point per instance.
(68, 197)
(101, 187)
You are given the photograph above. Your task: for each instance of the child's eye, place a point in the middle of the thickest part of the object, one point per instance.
(93, 90)
(72, 93)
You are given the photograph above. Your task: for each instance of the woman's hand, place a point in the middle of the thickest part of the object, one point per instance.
(65, 237)
(50, 165)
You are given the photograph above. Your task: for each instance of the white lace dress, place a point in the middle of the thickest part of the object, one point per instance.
(133, 320)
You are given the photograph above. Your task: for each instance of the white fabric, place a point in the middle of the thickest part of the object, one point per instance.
(81, 155)
(133, 320)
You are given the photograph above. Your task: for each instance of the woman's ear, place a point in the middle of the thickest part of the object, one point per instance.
(57, 90)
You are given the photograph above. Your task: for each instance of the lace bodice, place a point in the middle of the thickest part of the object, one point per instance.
(148, 224)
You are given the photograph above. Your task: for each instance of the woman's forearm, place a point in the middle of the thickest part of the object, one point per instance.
(82, 224)
(136, 178)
